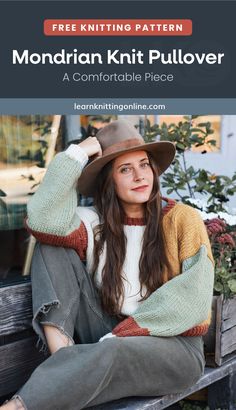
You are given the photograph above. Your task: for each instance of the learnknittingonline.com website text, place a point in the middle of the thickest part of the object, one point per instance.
(121, 107)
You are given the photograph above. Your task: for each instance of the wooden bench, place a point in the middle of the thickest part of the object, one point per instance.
(19, 357)
(221, 393)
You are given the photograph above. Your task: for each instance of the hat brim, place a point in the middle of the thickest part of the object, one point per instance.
(163, 152)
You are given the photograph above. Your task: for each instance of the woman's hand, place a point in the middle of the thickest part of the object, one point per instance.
(91, 146)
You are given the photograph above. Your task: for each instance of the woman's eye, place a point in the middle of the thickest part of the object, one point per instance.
(145, 165)
(125, 170)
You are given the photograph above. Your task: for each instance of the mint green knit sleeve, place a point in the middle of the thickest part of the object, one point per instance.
(52, 209)
(177, 306)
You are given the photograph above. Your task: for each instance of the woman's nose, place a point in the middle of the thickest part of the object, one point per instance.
(138, 175)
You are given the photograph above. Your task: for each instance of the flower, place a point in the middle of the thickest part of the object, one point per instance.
(223, 242)
(221, 229)
(226, 239)
(213, 177)
(215, 226)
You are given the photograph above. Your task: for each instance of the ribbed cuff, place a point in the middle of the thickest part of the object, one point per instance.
(77, 153)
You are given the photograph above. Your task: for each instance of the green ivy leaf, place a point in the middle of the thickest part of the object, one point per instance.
(180, 145)
(212, 142)
(223, 273)
(218, 287)
(203, 124)
(2, 193)
(232, 285)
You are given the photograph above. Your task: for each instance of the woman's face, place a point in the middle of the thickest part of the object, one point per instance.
(133, 177)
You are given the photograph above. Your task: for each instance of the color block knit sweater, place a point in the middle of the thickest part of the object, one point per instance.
(183, 304)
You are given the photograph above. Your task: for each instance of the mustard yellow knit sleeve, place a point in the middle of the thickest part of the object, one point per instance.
(191, 232)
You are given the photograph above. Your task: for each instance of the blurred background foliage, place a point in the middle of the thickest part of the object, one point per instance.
(183, 180)
(24, 139)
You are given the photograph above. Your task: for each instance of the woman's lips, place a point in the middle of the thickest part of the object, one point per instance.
(140, 188)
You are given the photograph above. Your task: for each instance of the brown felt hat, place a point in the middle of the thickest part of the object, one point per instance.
(117, 138)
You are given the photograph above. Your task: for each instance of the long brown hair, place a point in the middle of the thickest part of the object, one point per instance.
(110, 233)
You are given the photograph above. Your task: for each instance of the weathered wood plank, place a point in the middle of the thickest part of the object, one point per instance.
(219, 303)
(15, 308)
(228, 341)
(160, 403)
(229, 308)
(225, 335)
(228, 324)
(228, 314)
(17, 361)
(222, 394)
(227, 358)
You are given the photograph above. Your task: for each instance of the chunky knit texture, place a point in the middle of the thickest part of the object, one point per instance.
(178, 305)
(183, 304)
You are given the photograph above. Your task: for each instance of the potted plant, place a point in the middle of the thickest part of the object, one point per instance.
(209, 193)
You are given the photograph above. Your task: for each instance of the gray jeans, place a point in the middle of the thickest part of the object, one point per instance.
(91, 372)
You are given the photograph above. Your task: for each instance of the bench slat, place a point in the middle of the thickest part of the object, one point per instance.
(17, 361)
(15, 308)
(140, 403)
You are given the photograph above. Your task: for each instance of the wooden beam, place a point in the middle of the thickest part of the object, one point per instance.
(222, 394)
(15, 308)
(17, 362)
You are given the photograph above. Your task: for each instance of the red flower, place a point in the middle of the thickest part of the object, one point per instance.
(226, 239)
(215, 226)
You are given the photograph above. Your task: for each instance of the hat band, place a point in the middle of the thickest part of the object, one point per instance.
(131, 143)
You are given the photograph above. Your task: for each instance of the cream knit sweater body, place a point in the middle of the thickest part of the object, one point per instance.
(134, 235)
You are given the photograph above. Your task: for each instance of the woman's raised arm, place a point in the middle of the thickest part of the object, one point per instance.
(51, 215)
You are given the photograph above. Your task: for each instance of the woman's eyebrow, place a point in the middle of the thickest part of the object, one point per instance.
(129, 163)
(121, 165)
